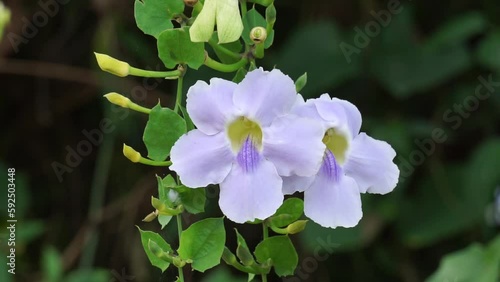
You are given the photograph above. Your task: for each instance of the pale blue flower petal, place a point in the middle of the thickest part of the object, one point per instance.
(370, 162)
(340, 113)
(200, 159)
(263, 96)
(333, 199)
(294, 146)
(294, 183)
(251, 192)
(210, 106)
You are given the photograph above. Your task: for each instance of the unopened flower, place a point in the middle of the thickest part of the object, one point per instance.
(245, 142)
(223, 13)
(353, 163)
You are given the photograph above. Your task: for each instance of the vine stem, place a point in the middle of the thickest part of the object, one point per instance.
(265, 234)
(209, 62)
(179, 231)
(178, 99)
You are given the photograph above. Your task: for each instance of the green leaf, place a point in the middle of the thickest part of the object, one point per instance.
(474, 263)
(154, 16)
(187, 118)
(282, 253)
(163, 190)
(458, 30)
(94, 275)
(314, 48)
(240, 75)
(222, 274)
(487, 52)
(290, 211)
(235, 47)
(203, 243)
(193, 200)
(163, 129)
(254, 19)
(155, 261)
(175, 47)
(52, 265)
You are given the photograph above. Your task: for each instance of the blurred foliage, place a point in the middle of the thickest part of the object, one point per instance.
(417, 74)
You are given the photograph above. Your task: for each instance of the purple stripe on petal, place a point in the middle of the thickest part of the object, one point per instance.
(248, 156)
(330, 167)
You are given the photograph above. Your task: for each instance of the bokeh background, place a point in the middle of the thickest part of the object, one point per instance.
(415, 79)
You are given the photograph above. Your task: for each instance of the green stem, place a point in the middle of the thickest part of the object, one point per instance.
(209, 62)
(179, 231)
(243, 5)
(140, 109)
(265, 234)
(154, 163)
(178, 98)
(162, 74)
(223, 49)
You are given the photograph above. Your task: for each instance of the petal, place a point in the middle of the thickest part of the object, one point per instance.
(370, 163)
(264, 96)
(209, 106)
(340, 113)
(200, 159)
(307, 109)
(229, 23)
(249, 195)
(294, 145)
(294, 183)
(203, 26)
(333, 203)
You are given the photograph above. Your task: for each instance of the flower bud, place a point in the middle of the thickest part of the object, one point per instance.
(258, 34)
(296, 227)
(112, 65)
(229, 257)
(150, 217)
(301, 82)
(244, 255)
(118, 99)
(4, 18)
(190, 3)
(271, 15)
(131, 154)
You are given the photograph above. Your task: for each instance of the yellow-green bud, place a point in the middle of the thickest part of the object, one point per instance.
(112, 65)
(131, 154)
(4, 18)
(245, 255)
(118, 99)
(258, 34)
(229, 257)
(296, 227)
(271, 14)
(150, 217)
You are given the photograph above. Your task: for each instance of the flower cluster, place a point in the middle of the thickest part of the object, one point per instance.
(260, 140)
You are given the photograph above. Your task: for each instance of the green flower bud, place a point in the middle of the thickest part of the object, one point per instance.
(150, 217)
(244, 255)
(118, 99)
(229, 257)
(296, 227)
(271, 15)
(112, 65)
(258, 34)
(301, 82)
(4, 18)
(131, 154)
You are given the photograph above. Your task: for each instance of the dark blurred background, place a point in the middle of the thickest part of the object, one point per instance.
(424, 74)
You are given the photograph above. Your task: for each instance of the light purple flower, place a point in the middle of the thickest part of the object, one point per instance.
(353, 163)
(245, 142)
